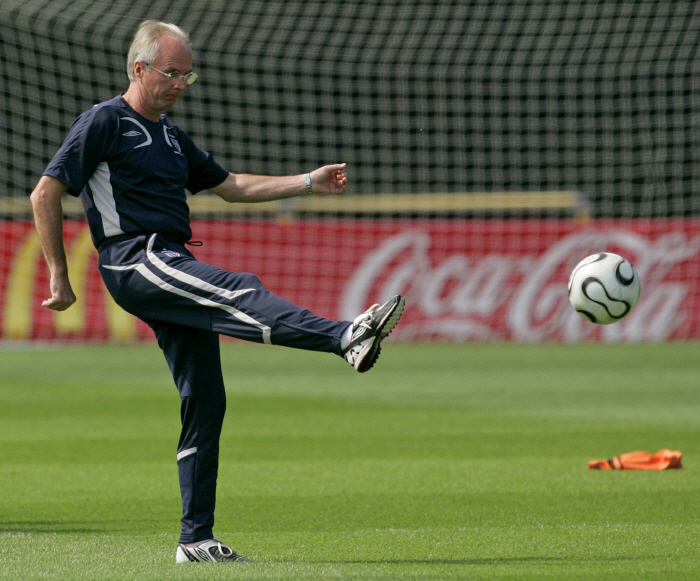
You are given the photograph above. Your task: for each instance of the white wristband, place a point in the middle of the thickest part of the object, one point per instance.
(307, 179)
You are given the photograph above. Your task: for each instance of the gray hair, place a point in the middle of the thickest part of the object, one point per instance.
(146, 43)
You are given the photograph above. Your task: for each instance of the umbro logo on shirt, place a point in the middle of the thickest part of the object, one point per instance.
(135, 133)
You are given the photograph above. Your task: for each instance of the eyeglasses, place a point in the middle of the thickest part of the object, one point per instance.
(176, 75)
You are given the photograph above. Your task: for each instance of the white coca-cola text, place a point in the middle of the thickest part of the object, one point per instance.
(519, 297)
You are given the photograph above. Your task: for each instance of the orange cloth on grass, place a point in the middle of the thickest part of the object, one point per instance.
(662, 460)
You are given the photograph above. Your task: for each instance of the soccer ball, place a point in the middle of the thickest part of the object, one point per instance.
(604, 288)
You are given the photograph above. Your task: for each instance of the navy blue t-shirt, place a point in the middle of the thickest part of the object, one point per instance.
(131, 173)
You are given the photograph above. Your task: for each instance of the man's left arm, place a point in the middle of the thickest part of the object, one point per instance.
(329, 179)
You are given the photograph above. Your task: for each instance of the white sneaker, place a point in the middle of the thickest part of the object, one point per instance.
(369, 330)
(211, 551)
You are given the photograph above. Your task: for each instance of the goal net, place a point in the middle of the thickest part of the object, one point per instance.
(491, 145)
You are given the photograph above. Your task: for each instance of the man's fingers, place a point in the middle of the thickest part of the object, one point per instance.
(331, 179)
(56, 304)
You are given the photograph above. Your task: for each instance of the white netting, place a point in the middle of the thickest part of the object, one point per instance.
(596, 97)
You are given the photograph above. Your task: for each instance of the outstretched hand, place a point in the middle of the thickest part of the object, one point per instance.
(329, 179)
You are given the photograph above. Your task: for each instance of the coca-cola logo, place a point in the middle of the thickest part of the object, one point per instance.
(501, 296)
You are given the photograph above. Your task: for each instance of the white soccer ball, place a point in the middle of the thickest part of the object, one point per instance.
(604, 288)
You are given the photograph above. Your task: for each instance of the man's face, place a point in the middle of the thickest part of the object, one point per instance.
(161, 92)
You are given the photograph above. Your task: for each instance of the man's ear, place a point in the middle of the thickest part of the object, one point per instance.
(139, 69)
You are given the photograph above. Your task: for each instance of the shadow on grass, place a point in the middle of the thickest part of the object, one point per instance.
(485, 561)
(50, 527)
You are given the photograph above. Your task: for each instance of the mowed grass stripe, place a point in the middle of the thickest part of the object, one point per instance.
(446, 461)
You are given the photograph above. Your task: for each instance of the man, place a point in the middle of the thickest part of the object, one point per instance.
(131, 165)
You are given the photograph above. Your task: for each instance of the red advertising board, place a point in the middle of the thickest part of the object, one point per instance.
(465, 280)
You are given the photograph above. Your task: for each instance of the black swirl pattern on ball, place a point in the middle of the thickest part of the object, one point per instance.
(599, 257)
(592, 280)
(588, 315)
(621, 278)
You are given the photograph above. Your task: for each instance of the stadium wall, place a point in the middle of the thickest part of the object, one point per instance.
(475, 280)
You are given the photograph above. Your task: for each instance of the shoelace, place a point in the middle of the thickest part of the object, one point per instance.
(366, 322)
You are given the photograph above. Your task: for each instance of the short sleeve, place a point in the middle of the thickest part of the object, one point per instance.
(86, 145)
(204, 172)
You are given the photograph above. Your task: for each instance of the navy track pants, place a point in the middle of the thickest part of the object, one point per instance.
(188, 304)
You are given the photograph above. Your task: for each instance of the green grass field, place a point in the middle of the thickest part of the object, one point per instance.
(444, 462)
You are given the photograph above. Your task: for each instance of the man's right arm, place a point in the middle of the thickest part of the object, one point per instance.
(48, 219)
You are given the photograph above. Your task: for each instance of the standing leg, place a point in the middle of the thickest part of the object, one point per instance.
(195, 362)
